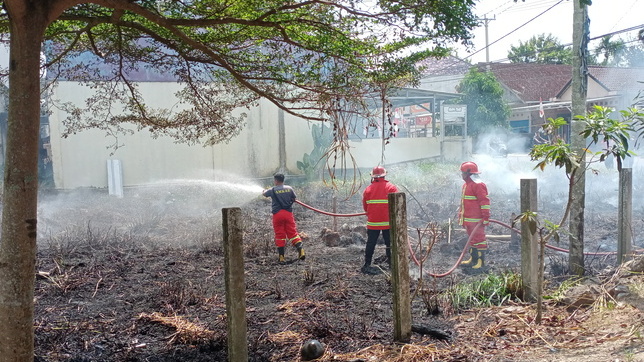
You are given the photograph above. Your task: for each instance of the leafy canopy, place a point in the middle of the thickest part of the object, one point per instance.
(542, 49)
(483, 95)
(230, 53)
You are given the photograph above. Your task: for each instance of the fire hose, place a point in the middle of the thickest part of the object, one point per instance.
(551, 246)
(328, 213)
(465, 248)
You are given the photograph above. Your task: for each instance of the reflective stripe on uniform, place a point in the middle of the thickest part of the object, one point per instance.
(383, 223)
(385, 201)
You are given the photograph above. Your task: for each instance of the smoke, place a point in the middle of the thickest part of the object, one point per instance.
(177, 210)
(492, 143)
(503, 179)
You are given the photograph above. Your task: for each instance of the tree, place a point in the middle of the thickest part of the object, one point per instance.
(296, 54)
(483, 95)
(542, 49)
(634, 56)
(612, 51)
(599, 129)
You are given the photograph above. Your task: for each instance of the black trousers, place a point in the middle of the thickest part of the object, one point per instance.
(372, 239)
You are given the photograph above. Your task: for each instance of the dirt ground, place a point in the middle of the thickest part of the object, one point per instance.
(141, 279)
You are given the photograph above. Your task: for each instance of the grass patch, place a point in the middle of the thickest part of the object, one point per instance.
(493, 290)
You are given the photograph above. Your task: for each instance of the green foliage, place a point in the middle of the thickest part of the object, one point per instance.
(229, 55)
(559, 292)
(555, 151)
(312, 164)
(529, 217)
(555, 230)
(493, 290)
(612, 134)
(613, 51)
(543, 49)
(599, 129)
(558, 153)
(483, 95)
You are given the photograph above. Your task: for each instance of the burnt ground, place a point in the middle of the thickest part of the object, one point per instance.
(141, 279)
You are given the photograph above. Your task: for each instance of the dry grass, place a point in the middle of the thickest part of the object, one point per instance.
(391, 353)
(186, 332)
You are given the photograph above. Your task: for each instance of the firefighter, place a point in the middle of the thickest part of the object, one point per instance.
(474, 215)
(376, 204)
(282, 197)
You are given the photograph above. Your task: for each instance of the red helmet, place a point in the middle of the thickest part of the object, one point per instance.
(378, 171)
(469, 167)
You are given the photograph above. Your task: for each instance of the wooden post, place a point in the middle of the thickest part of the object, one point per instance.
(625, 215)
(400, 267)
(529, 241)
(335, 211)
(514, 236)
(235, 285)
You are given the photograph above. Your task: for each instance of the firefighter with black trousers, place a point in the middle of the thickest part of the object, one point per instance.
(474, 215)
(282, 197)
(376, 204)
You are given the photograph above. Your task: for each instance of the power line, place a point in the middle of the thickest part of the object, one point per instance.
(627, 11)
(531, 6)
(496, 8)
(593, 38)
(520, 26)
(641, 26)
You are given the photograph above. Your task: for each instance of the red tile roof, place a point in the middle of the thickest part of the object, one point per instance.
(618, 79)
(531, 81)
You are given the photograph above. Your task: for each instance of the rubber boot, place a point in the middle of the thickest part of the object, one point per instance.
(300, 250)
(480, 262)
(280, 252)
(370, 270)
(472, 259)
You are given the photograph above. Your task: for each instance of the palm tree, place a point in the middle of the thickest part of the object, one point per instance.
(613, 51)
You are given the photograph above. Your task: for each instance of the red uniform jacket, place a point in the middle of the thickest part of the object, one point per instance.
(376, 204)
(475, 203)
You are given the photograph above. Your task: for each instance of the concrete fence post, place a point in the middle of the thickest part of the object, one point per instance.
(625, 215)
(400, 279)
(235, 285)
(529, 242)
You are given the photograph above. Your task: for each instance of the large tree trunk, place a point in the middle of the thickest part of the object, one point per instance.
(578, 143)
(18, 242)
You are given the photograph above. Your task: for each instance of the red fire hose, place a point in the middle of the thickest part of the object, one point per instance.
(328, 213)
(451, 270)
(550, 246)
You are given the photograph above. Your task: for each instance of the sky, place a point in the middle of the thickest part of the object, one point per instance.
(512, 22)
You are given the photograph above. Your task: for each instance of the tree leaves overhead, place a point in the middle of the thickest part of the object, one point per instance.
(230, 53)
(543, 49)
(486, 109)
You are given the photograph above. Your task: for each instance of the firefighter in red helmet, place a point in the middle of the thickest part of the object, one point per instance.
(474, 215)
(376, 204)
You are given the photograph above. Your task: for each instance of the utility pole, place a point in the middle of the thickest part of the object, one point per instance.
(486, 21)
(580, 35)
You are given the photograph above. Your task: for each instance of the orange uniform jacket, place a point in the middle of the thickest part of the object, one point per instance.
(376, 204)
(475, 203)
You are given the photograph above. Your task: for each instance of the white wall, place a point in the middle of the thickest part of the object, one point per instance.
(368, 152)
(81, 159)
